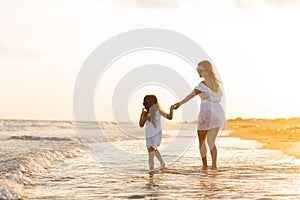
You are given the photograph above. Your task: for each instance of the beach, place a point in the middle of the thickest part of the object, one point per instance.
(277, 134)
(68, 160)
(85, 84)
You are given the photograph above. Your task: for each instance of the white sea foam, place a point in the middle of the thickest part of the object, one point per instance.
(29, 155)
(29, 148)
(23, 125)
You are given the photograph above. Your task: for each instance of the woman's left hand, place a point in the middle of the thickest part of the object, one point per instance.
(176, 106)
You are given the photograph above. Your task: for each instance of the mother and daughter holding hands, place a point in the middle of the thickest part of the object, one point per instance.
(210, 119)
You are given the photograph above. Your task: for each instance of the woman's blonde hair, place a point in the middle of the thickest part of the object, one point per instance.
(209, 75)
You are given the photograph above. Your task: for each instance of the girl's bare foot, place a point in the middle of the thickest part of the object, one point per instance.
(204, 167)
(162, 166)
(214, 167)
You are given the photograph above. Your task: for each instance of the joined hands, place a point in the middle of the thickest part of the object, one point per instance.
(175, 106)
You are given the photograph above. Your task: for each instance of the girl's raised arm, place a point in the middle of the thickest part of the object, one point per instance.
(143, 117)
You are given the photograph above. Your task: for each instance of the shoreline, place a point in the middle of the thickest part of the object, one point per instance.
(275, 134)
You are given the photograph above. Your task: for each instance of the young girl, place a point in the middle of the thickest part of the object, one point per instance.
(151, 115)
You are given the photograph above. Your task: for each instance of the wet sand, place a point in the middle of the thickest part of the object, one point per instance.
(275, 134)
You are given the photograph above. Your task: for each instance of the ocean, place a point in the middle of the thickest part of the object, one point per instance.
(107, 160)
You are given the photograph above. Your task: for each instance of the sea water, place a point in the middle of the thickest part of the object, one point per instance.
(51, 160)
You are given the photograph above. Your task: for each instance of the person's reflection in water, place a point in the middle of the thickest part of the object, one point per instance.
(153, 185)
(209, 186)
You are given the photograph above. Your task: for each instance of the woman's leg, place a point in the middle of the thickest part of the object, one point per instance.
(202, 147)
(151, 158)
(211, 138)
(158, 156)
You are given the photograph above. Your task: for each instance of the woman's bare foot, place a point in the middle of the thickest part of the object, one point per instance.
(214, 167)
(204, 167)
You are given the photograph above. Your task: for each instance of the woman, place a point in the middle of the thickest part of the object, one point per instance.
(211, 117)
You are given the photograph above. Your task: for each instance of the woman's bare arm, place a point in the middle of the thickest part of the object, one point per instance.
(187, 98)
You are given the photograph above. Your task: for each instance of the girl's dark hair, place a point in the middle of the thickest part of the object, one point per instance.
(149, 101)
(151, 105)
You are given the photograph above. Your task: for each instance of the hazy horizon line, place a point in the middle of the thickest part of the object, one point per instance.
(172, 121)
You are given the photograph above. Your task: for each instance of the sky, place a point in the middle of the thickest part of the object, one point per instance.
(254, 45)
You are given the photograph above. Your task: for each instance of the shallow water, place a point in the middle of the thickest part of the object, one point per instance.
(40, 160)
(244, 172)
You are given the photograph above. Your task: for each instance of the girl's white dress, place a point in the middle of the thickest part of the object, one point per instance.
(153, 133)
(211, 113)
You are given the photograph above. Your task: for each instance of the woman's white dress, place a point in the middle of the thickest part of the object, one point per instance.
(211, 113)
(153, 133)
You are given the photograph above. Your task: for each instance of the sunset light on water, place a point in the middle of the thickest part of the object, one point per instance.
(75, 122)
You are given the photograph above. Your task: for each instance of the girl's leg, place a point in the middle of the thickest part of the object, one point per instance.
(202, 147)
(211, 137)
(158, 156)
(151, 158)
